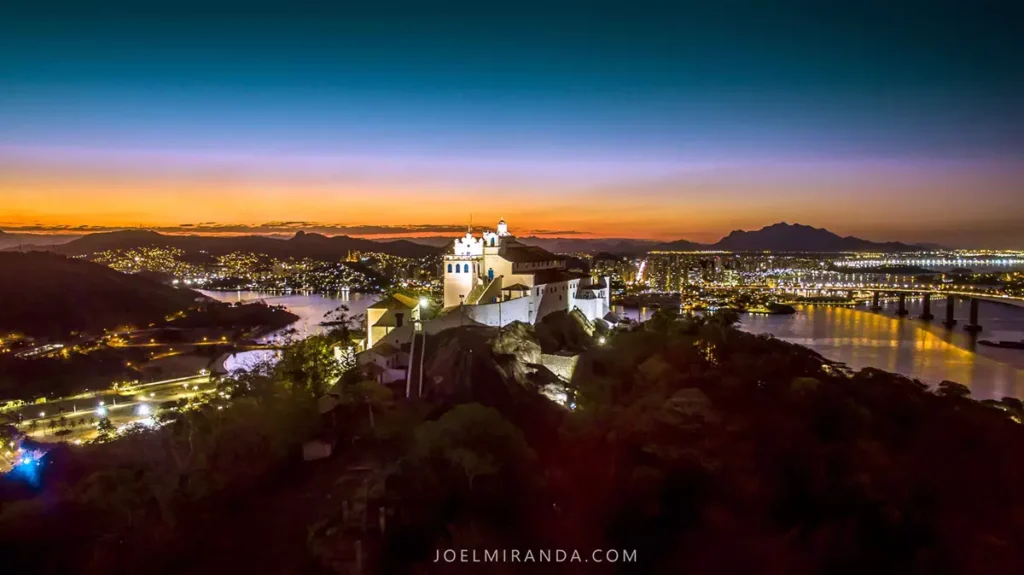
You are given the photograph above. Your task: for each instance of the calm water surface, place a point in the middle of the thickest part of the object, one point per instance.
(923, 350)
(855, 336)
(311, 309)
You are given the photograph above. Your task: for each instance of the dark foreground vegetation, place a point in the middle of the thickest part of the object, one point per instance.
(705, 449)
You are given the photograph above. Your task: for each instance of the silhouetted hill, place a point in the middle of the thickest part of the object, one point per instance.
(783, 237)
(14, 240)
(679, 246)
(46, 294)
(309, 245)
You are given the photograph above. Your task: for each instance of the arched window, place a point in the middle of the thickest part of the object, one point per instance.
(449, 268)
(492, 242)
(458, 268)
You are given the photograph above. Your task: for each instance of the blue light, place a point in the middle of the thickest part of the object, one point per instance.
(29, 471)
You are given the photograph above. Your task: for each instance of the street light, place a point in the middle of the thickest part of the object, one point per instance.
(424, 302)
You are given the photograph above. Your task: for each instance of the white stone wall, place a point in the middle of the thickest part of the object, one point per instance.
(373, 334)
(502, 313)
(592, 308)
(469, 246)
(458, 284)
(553, 297)
(398, 361)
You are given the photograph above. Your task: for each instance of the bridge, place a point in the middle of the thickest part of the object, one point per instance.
(950, 320)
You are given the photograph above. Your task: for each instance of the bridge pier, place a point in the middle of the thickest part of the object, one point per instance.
(926, 313)
(874, 301)
(950, 320)
(903, 305)
(973, 326)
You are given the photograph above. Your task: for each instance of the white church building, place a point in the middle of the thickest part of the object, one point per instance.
(496, 280)
(490, 280)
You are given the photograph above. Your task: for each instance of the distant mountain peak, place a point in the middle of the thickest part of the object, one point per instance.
(786, 237)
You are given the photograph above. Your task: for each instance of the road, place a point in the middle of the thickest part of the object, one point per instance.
(120, 408)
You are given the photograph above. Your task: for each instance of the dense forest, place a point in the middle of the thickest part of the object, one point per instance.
(702, 448)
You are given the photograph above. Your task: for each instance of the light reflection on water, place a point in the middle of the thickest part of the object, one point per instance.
(311, 309)
(855, 336)
(923, 350)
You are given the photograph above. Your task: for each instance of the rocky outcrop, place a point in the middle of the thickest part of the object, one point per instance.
(518, 339)
(563, 331)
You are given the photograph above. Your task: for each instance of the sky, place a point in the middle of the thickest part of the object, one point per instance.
(886, 120)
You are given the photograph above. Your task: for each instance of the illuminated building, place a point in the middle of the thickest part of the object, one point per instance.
(498, 280)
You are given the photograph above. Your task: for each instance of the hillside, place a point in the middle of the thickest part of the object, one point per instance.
(46, 294)
(302, 245)
(9, 240)
(692, 446)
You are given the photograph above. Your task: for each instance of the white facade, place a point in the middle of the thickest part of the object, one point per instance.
(498, 280)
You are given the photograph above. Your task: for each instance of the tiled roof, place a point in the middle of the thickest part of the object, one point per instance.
(395, 301)
(384, 349)
(554, 276)
(389, 319)
(523, 253)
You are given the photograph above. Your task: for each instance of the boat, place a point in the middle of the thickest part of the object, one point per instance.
(1003, 344)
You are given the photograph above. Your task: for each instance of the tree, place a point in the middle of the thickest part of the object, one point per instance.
(369, 394)
(105, 428)
(473, 439)
(8, 434)
(257, 381)
(310, 365)
(725, 318)
(340, 324)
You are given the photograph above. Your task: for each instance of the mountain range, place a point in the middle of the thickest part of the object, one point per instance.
(9, 240)
(301, 245)
(781, 237)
